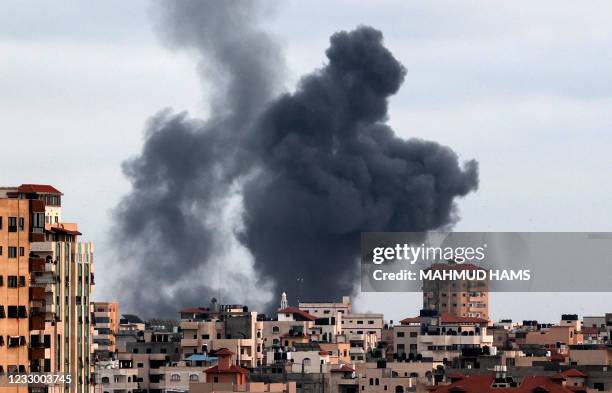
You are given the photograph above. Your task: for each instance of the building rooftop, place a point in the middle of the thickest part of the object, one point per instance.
(297, 311)
(446, 318)
(484, 384)
(38, 189)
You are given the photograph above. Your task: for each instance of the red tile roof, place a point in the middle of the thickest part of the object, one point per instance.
(447, 318)
(233, 369)
(66, 231)
(573, 373)
(482, 384)
(295, 310)
(38, 188)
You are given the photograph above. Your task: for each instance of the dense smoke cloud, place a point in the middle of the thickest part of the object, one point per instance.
(314, 168)
(332, 169)
(167, 227)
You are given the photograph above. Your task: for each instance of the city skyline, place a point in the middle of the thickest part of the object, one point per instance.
(546, 97)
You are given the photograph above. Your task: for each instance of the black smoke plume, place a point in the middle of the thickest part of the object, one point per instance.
(314, 168)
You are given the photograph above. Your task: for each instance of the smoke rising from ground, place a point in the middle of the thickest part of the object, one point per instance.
(313, 168)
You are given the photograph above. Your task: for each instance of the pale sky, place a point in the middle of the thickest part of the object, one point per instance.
(525, 88)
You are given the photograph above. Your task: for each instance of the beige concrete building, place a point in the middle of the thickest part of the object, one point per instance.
(252, 387)
(443, 337)
(110, 377)
(462, 298)
(231, 327)
(327, 309)
(45, 306)
(106, 326)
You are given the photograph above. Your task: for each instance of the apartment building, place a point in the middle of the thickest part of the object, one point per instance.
(374, 379)
(149, 352)
(111, 376)
(45, 286)
(462, 298)
(251, 387)
(327, 308)
(106, 326)
(446, 336)
(405, 339)
(205, 330)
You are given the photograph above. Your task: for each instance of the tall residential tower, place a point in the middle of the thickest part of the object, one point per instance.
(47, 278)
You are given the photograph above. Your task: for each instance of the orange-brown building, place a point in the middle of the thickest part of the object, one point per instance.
(46, 278)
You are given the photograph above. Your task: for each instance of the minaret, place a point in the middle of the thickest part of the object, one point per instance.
(284, 301)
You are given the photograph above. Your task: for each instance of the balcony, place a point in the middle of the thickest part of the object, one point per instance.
(37, 265)
(37, 353)
(37, 293)
(36, 237)
(43, 279)
(37, 206)
(37, 322)
(41, 247)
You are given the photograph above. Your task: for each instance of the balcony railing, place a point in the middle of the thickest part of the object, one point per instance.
(41, 247)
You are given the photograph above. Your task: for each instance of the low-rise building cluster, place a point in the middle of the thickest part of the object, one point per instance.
(328, 347)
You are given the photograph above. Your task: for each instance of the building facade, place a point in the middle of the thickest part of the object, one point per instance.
(462, 298)
(48, 276)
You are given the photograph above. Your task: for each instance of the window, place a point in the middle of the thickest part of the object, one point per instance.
(12, 281)
(359, 322)
(175, 377)
(21, 251)
(13, 341)
(414, 334)
(12, 252)
(37, 223)
(194, 378)
(400, 334)
(205, 336)
(21, 223)
(12, 224)
(12, 311)
(275, 329)
(1, 281)
(22, 312)
(2, 313)
(0, 248)
(0, 222)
